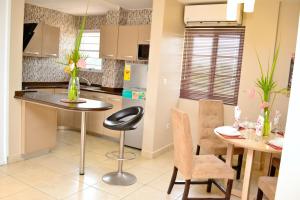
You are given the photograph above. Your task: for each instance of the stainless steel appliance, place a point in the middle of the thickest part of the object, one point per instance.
(134, 90)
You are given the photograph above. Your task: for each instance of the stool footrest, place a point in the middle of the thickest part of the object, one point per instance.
(114, 155)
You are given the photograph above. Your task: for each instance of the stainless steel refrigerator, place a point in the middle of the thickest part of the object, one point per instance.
(134, 91)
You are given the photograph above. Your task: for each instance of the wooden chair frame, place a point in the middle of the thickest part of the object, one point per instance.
(209, 183)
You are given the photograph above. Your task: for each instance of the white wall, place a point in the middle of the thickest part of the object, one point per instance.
(289, 174)
(15, 78)
(4, 57)
(260, 36)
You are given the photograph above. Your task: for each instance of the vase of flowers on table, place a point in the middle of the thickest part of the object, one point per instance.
(268, 91)
(75, 61)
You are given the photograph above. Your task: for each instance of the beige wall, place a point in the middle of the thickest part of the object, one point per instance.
(163, 75)
(260, 36)
(15, 78)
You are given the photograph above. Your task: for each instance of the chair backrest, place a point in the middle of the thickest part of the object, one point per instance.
(125, 119)
(211, 115)
(183, 146)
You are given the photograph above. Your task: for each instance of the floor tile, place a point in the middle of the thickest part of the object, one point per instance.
(92, 175)
(119, 191)
(92, 194)
(29, 194)
(56, 164)
(147, 193)
(10, 186)
(56, 176)
(61, 187)
(36, 175)
(144, 175)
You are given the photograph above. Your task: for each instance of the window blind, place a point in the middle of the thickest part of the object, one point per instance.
(212, 64)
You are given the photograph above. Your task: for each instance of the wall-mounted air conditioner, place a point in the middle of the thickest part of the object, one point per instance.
(210, 15)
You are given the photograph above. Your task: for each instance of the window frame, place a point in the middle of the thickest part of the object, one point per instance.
(93, 69)
(187, 65)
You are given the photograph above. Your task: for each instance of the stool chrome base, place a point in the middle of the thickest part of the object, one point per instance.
(119, 178)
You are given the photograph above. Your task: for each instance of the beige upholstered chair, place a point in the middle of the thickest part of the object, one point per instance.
(191, 166)
(211, 115)
(275, 164)
(266, 186)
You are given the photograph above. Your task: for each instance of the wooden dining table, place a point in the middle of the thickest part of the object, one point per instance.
(251, 143)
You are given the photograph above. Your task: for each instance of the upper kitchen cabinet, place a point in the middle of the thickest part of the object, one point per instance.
(144, 34)
(32, 39)
(128, 42)
(50, 44)
(109, 41)
(41, 40)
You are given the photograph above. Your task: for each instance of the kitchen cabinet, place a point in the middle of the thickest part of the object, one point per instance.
(34, 47)
(144, 34)
(65, 118)
(116, 101)
(44, 42)
(128, 42)
(109, 41)
(34, 141)
(50, 44)
(94, 119)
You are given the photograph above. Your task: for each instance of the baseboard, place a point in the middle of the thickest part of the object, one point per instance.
(36, 154)
(14, 158)
(158, 152)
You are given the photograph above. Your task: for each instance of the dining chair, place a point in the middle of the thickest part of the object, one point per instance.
(211, 116)
(191, 167)
(275, 164)
(266, 186)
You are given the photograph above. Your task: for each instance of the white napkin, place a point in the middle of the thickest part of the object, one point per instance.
(237, 116)
(259, 125)
(276, 118)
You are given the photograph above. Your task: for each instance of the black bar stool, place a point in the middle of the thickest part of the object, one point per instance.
(123, 120)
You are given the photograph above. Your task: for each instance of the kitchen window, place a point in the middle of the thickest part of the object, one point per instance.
(90, 47)
(212, 64)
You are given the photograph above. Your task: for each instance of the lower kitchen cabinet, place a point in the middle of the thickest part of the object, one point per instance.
(116, 101)
(65, 118)
(94, 119)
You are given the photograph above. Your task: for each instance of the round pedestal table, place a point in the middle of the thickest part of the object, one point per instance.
(250, 143)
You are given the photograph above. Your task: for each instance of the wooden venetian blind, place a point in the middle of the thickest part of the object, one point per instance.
(212, 64)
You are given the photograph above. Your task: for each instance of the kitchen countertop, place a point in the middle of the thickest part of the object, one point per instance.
(64, 85)
(54, 100)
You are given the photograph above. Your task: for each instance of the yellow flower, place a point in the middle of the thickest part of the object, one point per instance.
(67, 69)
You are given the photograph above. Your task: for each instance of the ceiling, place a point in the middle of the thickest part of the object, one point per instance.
(96, 7)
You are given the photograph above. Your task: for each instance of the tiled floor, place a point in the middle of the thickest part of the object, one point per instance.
(55, 176)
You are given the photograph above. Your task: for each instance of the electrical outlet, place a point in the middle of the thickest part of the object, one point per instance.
(168, 125)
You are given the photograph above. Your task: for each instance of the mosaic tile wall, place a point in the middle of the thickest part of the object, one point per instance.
(48, 69)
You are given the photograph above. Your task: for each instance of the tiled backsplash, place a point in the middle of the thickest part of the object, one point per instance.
(49, 70)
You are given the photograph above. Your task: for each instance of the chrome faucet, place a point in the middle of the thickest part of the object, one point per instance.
(89, 83)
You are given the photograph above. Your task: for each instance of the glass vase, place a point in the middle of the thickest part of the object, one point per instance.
(267, 123)
(74, 89)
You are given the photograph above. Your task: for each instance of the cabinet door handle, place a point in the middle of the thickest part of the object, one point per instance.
(147, 40)
(51, 54)
(110, 55)
(115, 99)
(32, 52)
(128, 56)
